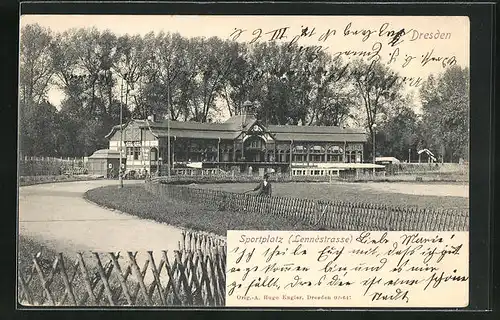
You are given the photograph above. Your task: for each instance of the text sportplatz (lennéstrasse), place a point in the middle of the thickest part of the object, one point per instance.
(293, 238)
(357, 269)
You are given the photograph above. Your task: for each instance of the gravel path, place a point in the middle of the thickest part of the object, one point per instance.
(58, 216)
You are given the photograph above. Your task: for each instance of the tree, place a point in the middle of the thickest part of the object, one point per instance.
(331, 97)
(244, 82)
(83, 61)
(39, 129)
(216, 62)
(36, 66)
(399, 130)
(130, 65)
(162, 73)
(36, 71)
(184, 95)
(376, 86)
(445, 105)
(283, 89)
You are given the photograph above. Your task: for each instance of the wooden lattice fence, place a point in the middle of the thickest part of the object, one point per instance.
(194, 275)
(333, 215)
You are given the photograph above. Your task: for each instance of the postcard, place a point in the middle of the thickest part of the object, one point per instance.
(243, 161)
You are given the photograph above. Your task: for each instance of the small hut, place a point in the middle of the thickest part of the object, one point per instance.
(105, 163)
(427, 154)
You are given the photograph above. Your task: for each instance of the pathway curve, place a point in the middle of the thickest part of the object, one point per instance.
(57, 215)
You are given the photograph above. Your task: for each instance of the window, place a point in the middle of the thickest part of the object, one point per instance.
(130, 153)
(133, 153)
(316, 158)
(317, 149)
(137, 152)
(298, 158)
(154, 153)
(255, 143)
(336, 149)
(334, 158)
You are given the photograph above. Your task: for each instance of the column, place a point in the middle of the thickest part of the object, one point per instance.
(243, 150)
(218, 151)
(308, 158)
(234, 151)
(173, 153)
(345, 146)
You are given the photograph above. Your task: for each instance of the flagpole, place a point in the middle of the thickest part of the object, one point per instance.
(168, 130)
(120, 178)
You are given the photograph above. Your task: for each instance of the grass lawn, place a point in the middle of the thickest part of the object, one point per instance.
(135, 200)
(27, 250)
(350, 192)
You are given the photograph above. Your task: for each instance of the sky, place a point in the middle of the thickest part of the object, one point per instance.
(429, 44)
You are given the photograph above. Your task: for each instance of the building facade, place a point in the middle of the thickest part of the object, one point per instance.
(241, 144)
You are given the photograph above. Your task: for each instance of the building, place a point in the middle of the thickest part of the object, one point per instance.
(104, 162)
(427, 155)
(242, 144)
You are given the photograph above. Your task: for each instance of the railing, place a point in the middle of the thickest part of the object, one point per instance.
(194, 275)
(422, 168)
(185, 171)
(334, 215)
(240, 178)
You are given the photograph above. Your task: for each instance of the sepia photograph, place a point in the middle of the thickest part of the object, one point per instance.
(145, 140)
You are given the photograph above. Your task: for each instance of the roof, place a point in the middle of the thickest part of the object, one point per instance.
(105, 154)
(312, 129)
(189, 125)
(124, 125)
(232, 128)
(325, 137)
(393, 159)
(238, 120)
(232, 124)
(186, 133)
(317, 133)
(426, 151)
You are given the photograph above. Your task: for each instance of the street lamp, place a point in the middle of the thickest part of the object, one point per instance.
(374, 127)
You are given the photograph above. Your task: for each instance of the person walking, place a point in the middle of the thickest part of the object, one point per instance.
(264, 188)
